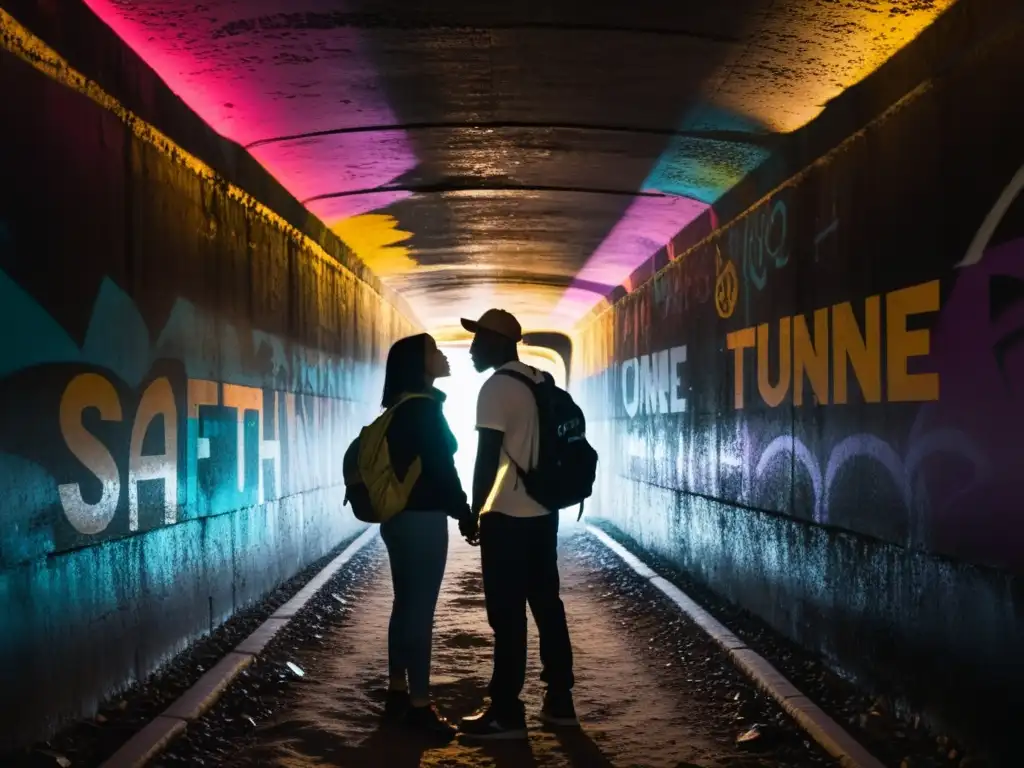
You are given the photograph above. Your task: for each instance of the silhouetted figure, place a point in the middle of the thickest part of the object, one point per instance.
(517, 536)
(417, 537)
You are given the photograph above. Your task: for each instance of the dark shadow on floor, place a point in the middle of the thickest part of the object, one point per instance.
(388, 746)
(581, 750)
(396, 747)
(509, 754)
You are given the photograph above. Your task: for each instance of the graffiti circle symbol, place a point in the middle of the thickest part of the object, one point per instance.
(727, 290)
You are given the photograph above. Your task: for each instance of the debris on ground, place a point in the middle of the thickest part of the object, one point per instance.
(92, 740)
(651, 689)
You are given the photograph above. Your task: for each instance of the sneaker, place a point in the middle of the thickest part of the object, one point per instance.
(395, 705)
(429, 720)
(489, 723)
(558, 710)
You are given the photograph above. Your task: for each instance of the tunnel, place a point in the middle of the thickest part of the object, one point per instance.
(736, 232)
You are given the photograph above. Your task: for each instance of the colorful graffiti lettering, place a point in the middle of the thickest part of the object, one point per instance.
(759, 242)
(893, 412)
(651, 383)
(799, 354)
(136, 435)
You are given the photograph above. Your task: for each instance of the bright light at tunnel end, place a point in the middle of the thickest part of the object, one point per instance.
(462, 389)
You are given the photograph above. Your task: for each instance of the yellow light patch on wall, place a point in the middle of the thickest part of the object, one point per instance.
(376, 239)
(803, 55)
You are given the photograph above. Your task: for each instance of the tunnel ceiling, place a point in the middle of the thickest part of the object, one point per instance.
(523, 154)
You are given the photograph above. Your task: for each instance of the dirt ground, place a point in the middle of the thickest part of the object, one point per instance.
(652, 691)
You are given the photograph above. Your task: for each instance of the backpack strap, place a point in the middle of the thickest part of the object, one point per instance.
(518, 377)
(523, 378)
(548, 378)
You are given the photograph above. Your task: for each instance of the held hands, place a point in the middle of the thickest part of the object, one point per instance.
(469, 527)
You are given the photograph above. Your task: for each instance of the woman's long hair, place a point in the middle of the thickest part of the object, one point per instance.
(406, 369)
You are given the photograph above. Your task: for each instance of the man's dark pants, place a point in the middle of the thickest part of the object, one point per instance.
(519, 556)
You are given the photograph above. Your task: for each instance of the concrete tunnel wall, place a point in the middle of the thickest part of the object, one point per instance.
(180, 373)
(137, 285)
(816, 410)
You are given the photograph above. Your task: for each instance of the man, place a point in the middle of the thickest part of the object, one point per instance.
(518, 539)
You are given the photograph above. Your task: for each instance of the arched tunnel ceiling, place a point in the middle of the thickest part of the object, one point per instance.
(477, 152)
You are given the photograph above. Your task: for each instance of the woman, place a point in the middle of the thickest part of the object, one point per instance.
(417, 537)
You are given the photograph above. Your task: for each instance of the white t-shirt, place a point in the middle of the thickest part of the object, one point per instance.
(507, 405)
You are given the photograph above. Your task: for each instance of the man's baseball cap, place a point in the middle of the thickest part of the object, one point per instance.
(496, 321)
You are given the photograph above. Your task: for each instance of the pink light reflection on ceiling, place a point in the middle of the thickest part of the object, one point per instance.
(253, 78)
(251, 81)
(323, 165)
(335, 209)
(647, 226)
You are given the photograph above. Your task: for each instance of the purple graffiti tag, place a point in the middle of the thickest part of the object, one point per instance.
(977, 351)
(951, 442)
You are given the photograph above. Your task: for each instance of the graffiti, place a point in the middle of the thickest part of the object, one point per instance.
(980, 242)
(862, 363)
(800, 356)
(651, 383)
(900, 470)
(665, 293)
(759, 242)
(684, 284)
(787, 444)
(126, 436)
(726, 286)
(940, 479)
(263, 421)
(697, 279)
(736, 464)
(823, 234)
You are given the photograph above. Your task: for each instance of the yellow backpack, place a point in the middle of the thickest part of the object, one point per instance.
(371, 485)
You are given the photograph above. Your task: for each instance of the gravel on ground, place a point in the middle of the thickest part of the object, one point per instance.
(872, 719)
(653, 690)
(87, 743)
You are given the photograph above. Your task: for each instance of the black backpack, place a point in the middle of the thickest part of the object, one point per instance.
(566, 462)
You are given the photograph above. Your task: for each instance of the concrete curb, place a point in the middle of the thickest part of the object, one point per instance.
(159, 732)
(818, 725)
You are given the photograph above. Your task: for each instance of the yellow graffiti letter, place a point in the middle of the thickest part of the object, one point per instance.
(902, 343)
(738, 341)
(90, 390)
(810, 357)
(863, 352)
(773, 395)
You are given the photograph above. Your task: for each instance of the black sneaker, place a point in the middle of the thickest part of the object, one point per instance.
(558, 710)
(395, 705)
(429, 720)
(490, 723)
